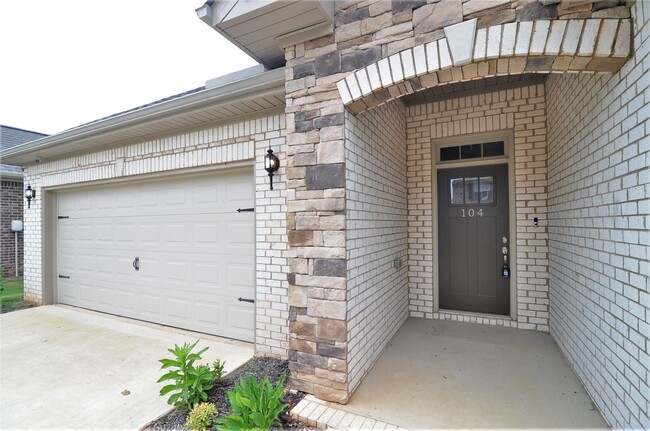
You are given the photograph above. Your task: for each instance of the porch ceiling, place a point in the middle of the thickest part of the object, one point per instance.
(459, 89)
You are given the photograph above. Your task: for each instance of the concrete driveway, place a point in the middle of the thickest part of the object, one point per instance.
(62, 367)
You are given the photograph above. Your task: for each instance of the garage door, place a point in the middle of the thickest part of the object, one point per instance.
(172, 251)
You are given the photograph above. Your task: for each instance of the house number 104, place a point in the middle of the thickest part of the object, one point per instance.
(471, 212)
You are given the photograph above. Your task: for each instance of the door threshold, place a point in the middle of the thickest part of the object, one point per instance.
(473, 317)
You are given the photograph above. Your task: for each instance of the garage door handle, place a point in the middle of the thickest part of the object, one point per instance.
(252, 301)
(136, 263)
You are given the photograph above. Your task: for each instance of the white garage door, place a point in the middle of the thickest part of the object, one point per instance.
(194, 250)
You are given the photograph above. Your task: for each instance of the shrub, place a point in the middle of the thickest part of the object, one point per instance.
(254, 405)
(190, 382)
(218, 370)
(201, 417)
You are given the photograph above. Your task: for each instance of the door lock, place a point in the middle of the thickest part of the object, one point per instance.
(505, 270)
(136, 263)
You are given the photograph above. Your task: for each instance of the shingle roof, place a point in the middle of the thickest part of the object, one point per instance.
(10, 137)
(147, 105)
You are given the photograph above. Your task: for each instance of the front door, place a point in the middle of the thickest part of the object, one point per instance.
(472, 233)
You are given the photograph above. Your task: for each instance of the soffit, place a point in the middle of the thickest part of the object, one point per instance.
(233, 102)
(258, 27)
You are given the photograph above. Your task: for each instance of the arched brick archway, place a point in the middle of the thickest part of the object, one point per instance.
(545, 46)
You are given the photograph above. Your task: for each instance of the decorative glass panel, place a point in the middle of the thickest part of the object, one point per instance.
(456, 188)
(492, 149)
(470, 151)
(486, 188)
(471, 190)
(449, 153)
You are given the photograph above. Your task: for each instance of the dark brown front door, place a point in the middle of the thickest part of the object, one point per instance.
(472, 231)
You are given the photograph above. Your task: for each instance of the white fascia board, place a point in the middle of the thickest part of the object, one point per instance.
(238, 90)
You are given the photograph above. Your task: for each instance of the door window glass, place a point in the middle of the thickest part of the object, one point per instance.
(456, 188)
(486, 189)
(472, 151)
(471, 190)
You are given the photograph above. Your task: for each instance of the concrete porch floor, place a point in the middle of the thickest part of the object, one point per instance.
(445, 374)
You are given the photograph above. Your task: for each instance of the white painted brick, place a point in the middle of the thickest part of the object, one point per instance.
(540, 34)
(407, 62)
(555, 37)
(572, 37)
(396, 68)
(480, 47)
(432, 56)
(384, 72)
(494, 41)
(443, 52)
(606, 36)
(420, 59)
(373, 75)
(589, 34)
(508, 39)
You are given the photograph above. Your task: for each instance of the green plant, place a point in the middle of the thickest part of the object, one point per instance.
(2, 280)
(218, 370)
(190, 382)
(201, 417)
(255, 406)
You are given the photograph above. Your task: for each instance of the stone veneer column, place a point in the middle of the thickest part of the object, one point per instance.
(316, 221)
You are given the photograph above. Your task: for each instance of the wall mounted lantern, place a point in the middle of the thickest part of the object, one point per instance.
(29, 195)
(271, 164)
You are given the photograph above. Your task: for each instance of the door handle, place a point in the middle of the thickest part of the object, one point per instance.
(136, 263)
(505, 269)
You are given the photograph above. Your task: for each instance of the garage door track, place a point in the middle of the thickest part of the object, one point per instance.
(63, 367)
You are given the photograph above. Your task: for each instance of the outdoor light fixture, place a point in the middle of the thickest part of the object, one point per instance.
(271, 164)
(29, 195)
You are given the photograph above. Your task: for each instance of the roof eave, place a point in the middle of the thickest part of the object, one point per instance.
(248, 87)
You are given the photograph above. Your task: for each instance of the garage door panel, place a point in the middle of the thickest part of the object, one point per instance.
(241, 278)
(196, 252)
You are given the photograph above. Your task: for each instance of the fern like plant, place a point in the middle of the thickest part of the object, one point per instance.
(190, 383)
(255, 406)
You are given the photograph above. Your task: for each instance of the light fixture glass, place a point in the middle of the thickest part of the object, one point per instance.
(29, 195)
(271, 164)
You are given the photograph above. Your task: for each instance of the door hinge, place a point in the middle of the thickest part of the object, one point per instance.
(245, 210)
(64, 276)
(60, 217)
(252, 301)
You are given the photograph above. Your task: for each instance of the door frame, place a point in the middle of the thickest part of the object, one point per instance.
(507, 136)
(50, 231)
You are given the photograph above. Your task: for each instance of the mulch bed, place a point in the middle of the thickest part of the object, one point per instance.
(257, 367)
(14, 306)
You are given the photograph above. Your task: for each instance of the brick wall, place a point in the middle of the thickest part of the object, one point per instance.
(523, 111)
(599, 190)
(11, 208)
(245, 141)
(376, 233)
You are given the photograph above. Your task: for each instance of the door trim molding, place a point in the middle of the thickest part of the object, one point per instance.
(507, 135)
